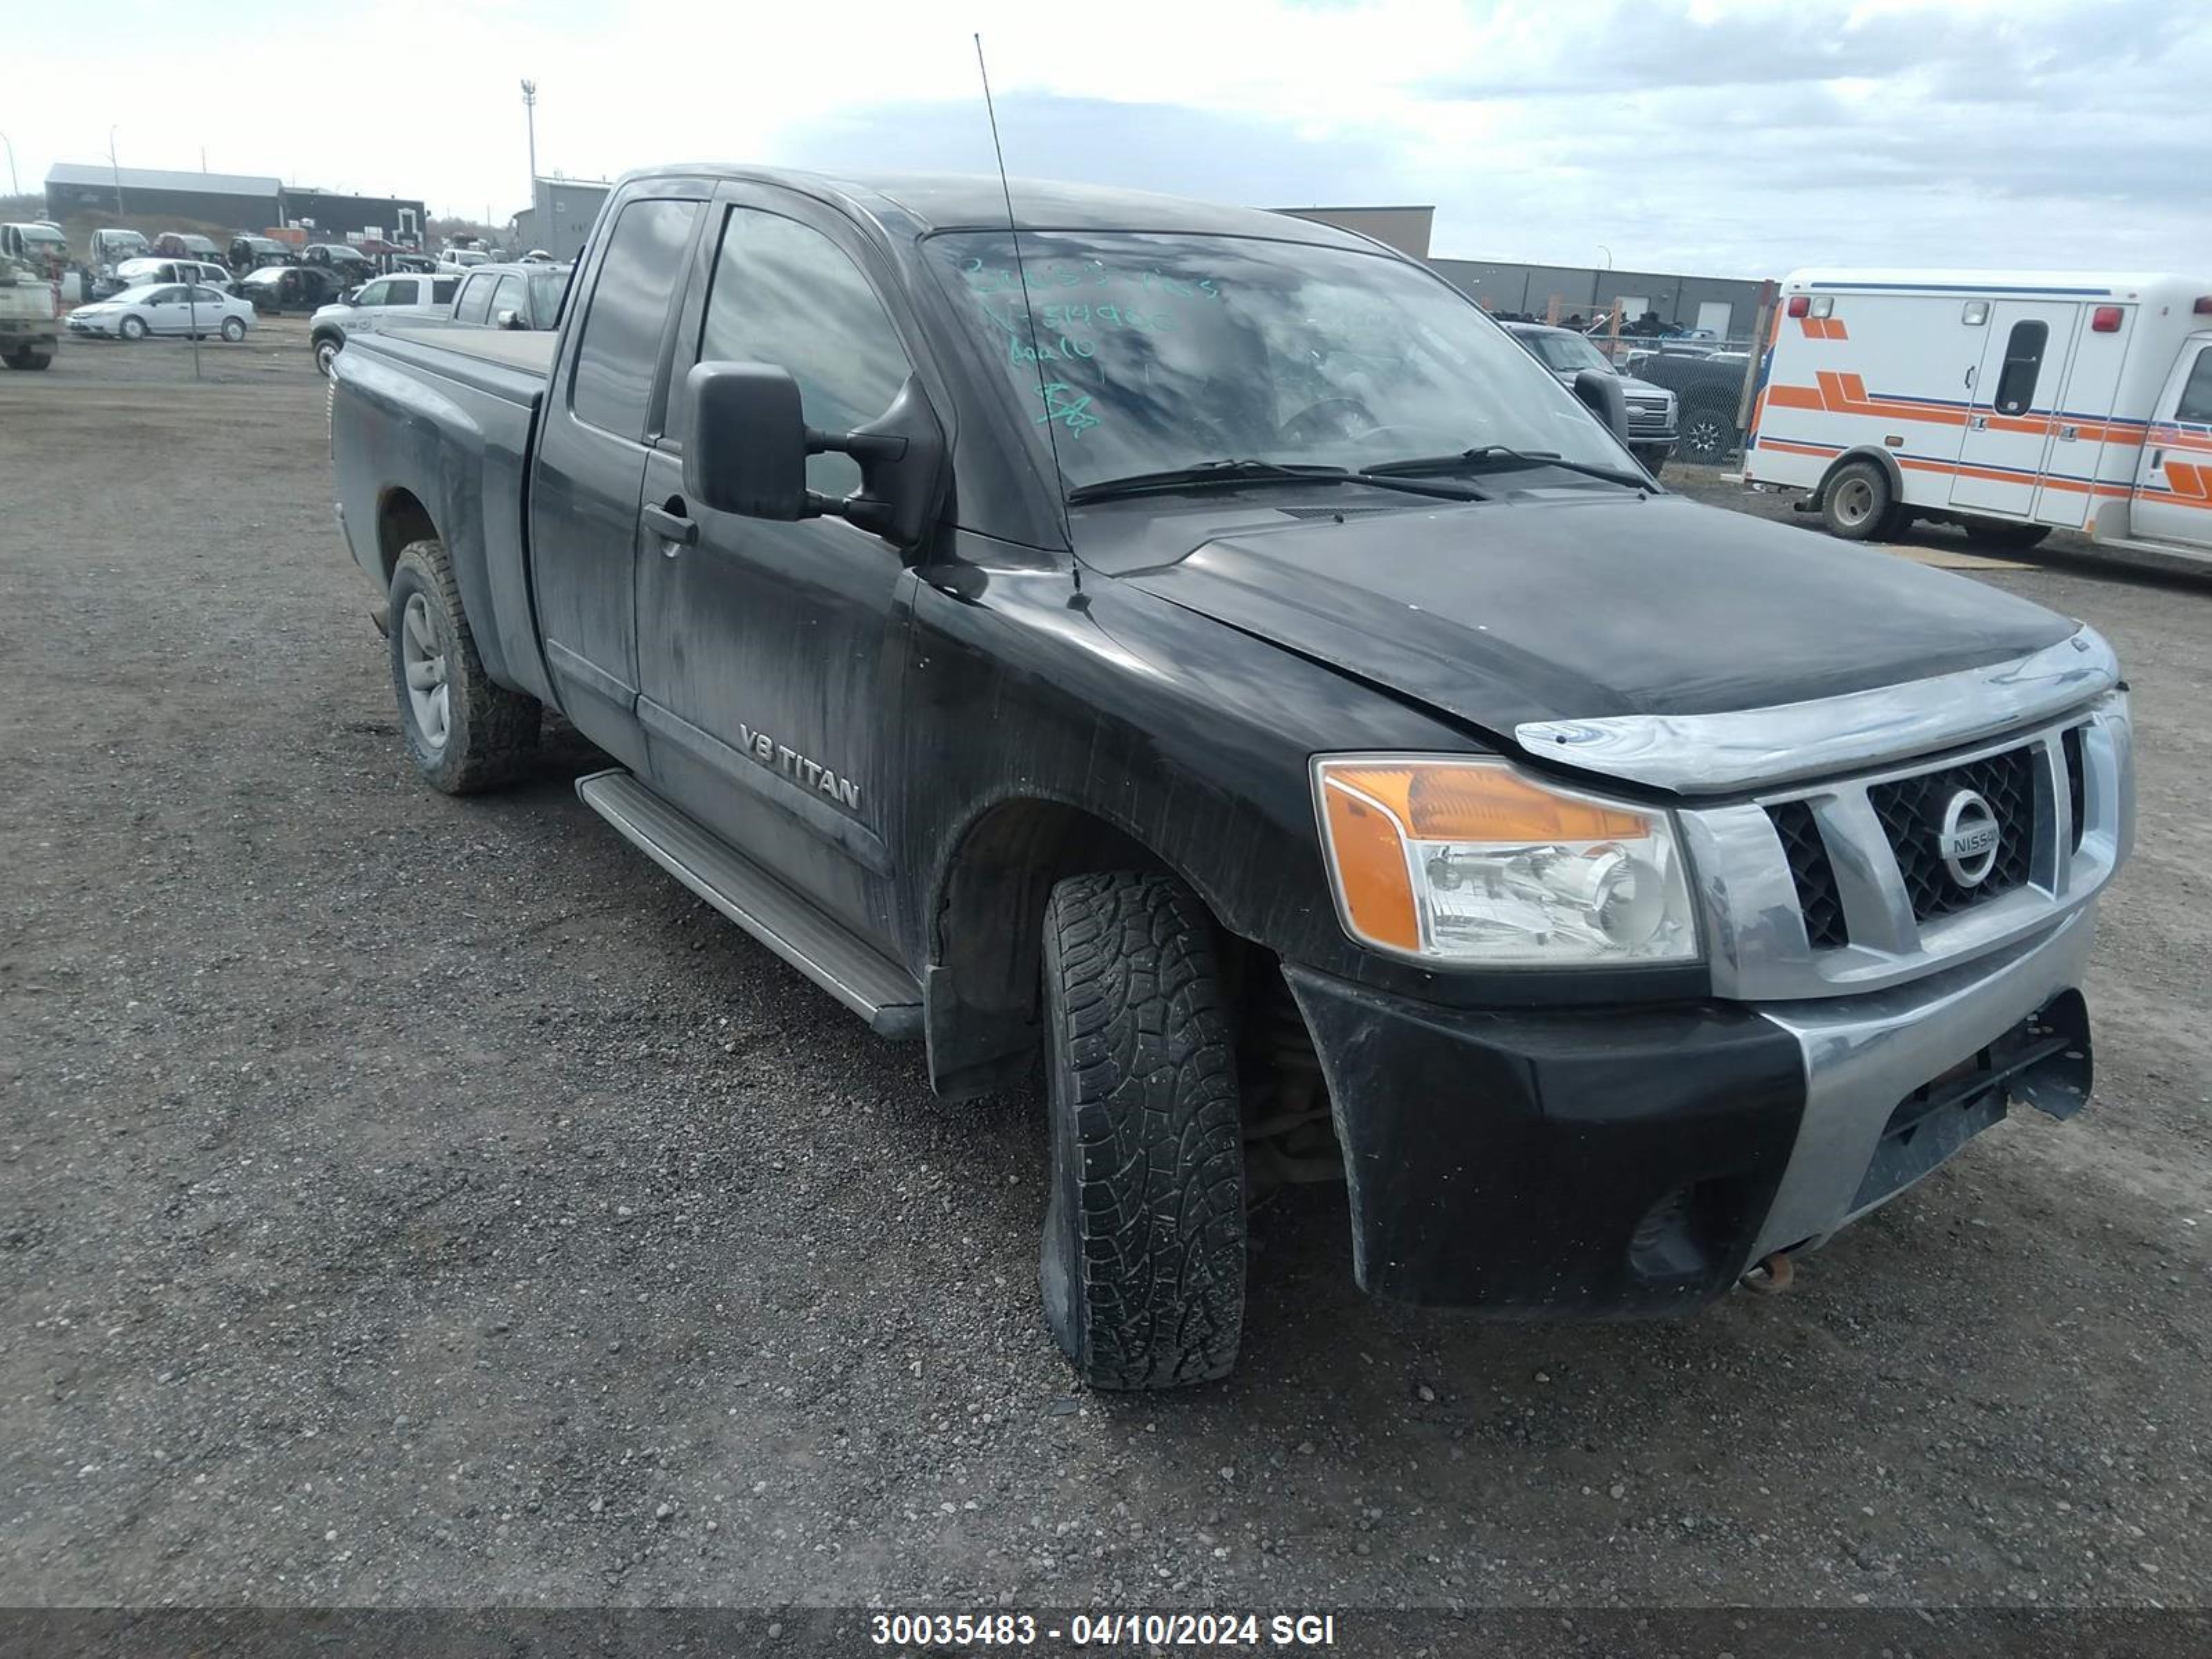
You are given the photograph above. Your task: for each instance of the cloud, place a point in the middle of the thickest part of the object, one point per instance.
(1726, 137)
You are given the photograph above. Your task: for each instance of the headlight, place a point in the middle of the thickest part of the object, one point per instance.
(1468, 861)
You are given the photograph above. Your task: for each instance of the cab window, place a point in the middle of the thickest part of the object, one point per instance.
(785, 293)
(619, 354)
(2196, 403)
(476, 299)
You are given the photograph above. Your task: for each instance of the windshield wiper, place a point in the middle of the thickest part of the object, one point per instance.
(1229, 470)
(1500, 455)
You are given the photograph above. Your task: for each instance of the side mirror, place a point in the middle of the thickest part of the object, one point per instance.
(507, 317)
(1600, 390)
(748, 443)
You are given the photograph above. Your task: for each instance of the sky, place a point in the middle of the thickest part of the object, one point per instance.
(1711, 137)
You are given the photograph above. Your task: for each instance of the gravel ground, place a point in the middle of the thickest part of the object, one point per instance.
(406, 1200)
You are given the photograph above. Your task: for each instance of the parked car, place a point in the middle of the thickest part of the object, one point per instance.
(387, 297)
(165, 308)
(1280, 712)
(251, 253)
(36, 243)
(276, 289)
(463, 258)
(184, 245)
(505, 296)
(137, 273)
(1708, 386)
(1650, 408)
(111, 247)
(348, 261)
(28, 333)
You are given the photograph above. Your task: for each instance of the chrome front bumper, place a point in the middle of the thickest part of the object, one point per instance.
(1863, 1054)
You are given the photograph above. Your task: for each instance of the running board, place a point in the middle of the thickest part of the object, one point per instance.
(858, 975)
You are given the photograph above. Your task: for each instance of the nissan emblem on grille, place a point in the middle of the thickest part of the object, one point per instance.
(1970, 838)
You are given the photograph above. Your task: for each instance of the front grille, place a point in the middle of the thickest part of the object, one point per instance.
(2071, 740)
(1910, 811)
(1813, 874)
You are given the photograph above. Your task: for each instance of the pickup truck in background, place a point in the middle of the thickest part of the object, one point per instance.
(503, 296)
(29, 330)
(1199, 653)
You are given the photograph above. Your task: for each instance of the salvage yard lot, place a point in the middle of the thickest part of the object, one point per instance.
(407, 1199)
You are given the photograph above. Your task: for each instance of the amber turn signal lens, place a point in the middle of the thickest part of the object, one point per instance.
(1370, 869)
(1481, 803)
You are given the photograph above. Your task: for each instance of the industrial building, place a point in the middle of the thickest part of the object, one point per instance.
(1728, 306)
(235, 200)
(157, 197)
(560, 216)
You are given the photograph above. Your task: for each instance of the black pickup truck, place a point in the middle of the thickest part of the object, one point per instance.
(1198, 651)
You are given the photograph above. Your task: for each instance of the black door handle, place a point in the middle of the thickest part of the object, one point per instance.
(671, 525)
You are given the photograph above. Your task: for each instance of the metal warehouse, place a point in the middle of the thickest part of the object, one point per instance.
(236, 201)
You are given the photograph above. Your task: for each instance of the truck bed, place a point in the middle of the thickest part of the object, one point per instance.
(512, 364)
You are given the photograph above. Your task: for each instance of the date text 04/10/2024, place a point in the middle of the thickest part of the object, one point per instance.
(1021, 1630)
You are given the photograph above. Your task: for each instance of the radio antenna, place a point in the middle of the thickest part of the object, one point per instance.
(1022, 276)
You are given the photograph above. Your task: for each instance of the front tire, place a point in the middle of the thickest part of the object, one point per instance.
(465, 732)
(1708, 432)
(1858, 504)
(1143, 1259)
(326, 352)
(132, 328)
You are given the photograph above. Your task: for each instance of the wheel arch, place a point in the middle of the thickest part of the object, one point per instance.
(1874, 452)
(983, 928)
(400, 519)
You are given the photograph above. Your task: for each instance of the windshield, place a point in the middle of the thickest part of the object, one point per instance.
(1158, 351)
(1566, 353)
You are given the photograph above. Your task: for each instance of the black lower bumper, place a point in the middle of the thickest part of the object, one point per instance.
(1623, 1161)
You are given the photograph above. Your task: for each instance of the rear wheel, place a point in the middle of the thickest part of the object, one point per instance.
(1143, 1261)
(2016, 537)
(233, 329)
(132, 328)
(1858, 504)
(28, 359)
(464, 731)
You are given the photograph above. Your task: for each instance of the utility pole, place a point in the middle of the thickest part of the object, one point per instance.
(14, 187)
(530, 116)
(115, 171)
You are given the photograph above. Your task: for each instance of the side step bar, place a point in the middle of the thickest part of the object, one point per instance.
(856, 973)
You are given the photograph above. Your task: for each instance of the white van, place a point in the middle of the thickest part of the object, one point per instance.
(2011, 402)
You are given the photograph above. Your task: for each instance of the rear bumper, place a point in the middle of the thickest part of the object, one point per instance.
(1624, 1161)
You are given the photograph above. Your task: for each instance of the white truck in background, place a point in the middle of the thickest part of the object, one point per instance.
(2008, 403)
(28, 331)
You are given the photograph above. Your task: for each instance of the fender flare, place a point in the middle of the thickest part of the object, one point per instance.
(1864, 452)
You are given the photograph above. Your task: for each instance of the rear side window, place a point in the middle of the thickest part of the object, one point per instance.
(511, 296)
(442, 290)
(476, 301)
(2023, 362)
(786, 295)
(621, 345)
(2195, 404)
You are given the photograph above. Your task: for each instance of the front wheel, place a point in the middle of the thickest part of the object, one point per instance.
(464, 731)
(132, 328)
(1708, 434)
(326, 352)
(1654, 457)
(233, 329)
(1143, 1259)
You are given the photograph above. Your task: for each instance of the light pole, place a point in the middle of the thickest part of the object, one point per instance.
(530, 116)
(115, 171)
(14, 187)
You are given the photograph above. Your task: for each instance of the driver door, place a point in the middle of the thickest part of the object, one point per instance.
(771, 654)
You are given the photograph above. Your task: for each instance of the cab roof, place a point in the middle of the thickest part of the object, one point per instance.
(920, 202)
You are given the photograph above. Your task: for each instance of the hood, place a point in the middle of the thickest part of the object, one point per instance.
(1569, 606)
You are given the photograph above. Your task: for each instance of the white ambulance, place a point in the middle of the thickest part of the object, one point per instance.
(2008, 403)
